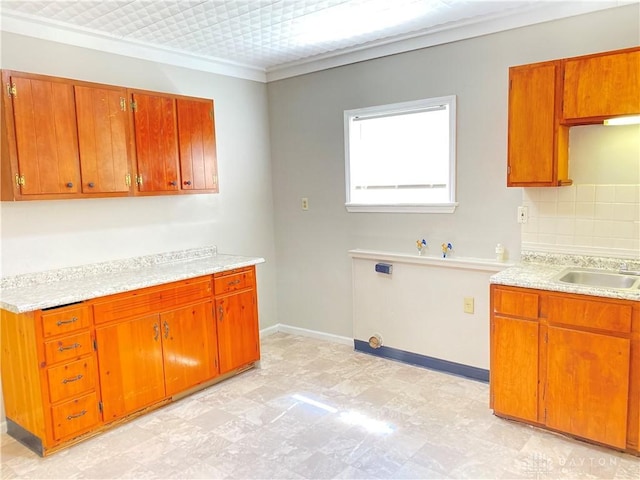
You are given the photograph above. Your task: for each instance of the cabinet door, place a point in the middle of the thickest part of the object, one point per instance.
(588, 385)
(189, 345)
(46, 136)
(514, 368)
(238, 336)
(102, 138)
(154, 119)
(533, 130)
(130, 365)
(602, 86)
(197, 140)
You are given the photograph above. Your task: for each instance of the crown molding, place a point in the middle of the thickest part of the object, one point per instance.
(540, 12)
(31, 26)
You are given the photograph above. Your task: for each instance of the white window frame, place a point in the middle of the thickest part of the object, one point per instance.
(400, 108)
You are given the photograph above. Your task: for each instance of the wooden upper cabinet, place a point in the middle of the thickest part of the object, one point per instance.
(604, 85)
(154, 119)
(546, 98)
(197, 140)
(103, 123)
(44, 145)
(63, 138)
(535, 139)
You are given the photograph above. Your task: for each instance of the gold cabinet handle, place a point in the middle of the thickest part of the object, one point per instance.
(220, 313)
(166, 329)
(66, 322)
(70, 347)
(71, 417)
(72, 379)
(156, 331)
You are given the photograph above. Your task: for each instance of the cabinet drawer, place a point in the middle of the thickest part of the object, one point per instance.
(68, 347)
(233, 282)
(516, 303)
(71, 379)
(75, 416)
(152, 300)
(601, 315)
(65, 320)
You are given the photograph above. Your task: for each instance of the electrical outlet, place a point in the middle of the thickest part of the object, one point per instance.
(523, 214)
(305, 203)
(468, 304)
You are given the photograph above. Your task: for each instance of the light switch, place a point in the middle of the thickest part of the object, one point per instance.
(468, 304)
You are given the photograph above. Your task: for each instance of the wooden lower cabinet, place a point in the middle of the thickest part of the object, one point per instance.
(189, 346)
(131, 372)
(587, 390)
(572, 364)
(49, 383)
(514, 372)
(145, 359)
(238, 335)
(70, 372)
(235, 307)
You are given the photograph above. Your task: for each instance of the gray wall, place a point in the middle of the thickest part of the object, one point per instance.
(305, 117)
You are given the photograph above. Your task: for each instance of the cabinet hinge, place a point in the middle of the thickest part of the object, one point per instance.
(95, 345)
(100, 407)
(123, 104)
(12, 91)
(134, 106)
(127, 179)
(139, 179)
(20, 181)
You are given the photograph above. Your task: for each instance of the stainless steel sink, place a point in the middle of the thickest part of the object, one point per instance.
(594, 278)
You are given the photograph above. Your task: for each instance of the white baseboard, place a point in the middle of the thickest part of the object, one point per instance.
(303, 332)
(265, 332)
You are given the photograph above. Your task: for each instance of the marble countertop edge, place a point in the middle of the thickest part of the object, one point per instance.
(60, 290)
(541, 276)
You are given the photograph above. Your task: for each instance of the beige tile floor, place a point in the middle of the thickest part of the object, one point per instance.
(314, 409)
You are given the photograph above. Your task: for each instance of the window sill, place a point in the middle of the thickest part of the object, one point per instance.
(402, 208)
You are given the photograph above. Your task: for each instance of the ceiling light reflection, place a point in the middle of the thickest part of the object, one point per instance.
(350, 417)
(370, 424)
(315, 403)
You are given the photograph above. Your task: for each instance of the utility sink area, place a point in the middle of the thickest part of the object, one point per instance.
(599, 278)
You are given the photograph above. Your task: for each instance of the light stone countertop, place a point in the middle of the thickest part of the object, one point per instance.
(29, 292)
(538, 271)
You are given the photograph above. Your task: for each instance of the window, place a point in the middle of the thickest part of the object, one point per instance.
(401, 157)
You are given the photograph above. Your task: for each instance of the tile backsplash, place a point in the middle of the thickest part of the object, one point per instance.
(590, 219)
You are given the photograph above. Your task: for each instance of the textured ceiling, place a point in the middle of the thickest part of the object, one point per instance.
(263, 34)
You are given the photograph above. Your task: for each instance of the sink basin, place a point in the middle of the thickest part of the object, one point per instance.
(593, 278)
